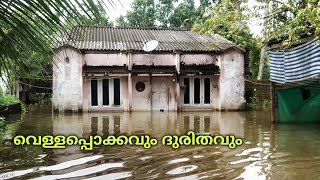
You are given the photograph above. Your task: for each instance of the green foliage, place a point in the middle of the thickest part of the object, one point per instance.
(121, 22)
(23, 108)
(228, 19)
(28, 28)
(6, 100)
(184, 15)
(46, 100)
(254, 98)
(165, 10)
(204, 7)
(163, 13)
(288, 20)
(143, 13)
(102, 19)
(258, 104)
(2, 124)
(266, 104)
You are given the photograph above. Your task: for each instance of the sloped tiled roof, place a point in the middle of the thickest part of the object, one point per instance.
(133, 38)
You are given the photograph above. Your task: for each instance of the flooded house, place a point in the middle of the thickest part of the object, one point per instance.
(99, 68)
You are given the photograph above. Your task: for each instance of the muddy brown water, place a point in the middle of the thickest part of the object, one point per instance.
(269, 151)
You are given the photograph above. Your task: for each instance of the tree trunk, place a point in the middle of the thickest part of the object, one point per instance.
(264, 48)
(262, 61)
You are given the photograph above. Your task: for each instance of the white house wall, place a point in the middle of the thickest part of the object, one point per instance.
(105, 59)
(67, 80)
(198, 59)
(141, 100)
(231, 80)
(121, 59)
(154, 59)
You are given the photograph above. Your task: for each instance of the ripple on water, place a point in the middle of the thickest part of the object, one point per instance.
(182, 170)
(249, 151)
(269, 151)
(178, 160)
(82, 172)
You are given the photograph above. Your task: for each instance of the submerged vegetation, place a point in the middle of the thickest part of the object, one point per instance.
(6, 100)
(258, 104)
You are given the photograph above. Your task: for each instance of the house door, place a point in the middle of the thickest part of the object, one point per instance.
(160, 96)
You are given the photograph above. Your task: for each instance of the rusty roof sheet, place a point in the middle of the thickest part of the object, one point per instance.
(134, 38)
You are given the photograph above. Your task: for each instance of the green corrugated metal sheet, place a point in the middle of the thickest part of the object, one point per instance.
(298, 105)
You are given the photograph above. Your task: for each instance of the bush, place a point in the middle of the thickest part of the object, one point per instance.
(6, 100)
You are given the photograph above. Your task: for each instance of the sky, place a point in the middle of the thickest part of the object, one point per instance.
(122, 6)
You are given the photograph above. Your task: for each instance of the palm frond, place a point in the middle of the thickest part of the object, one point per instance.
(29, 26)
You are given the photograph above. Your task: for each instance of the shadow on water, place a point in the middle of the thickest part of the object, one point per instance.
(269, 151)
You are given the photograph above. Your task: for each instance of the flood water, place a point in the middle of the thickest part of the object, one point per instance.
(269, 151)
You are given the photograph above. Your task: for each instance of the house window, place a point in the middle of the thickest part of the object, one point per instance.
(94, 92)
(196, 91)
(116, 93)
(187, 91)
(105, 92)
(207, 91)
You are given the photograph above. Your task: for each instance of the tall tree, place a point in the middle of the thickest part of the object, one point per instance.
(121, 21)
(226, 20)
(205, 5)
(103, 19)
(184, 15)
(264, 36)
(287, 20)
(230, 21)
(143, 13)
(165, 10)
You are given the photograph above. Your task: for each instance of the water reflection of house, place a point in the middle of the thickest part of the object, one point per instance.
(156, 124)
(105, 68)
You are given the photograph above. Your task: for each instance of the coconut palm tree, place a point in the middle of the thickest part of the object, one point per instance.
(29, 26)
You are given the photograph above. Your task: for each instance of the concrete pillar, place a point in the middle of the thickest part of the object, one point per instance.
(129, 92)
(177, 94)
(17, 89)
(129, 64)
(273, 103)
(129, 60)
(177, 61)
(85, 94)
